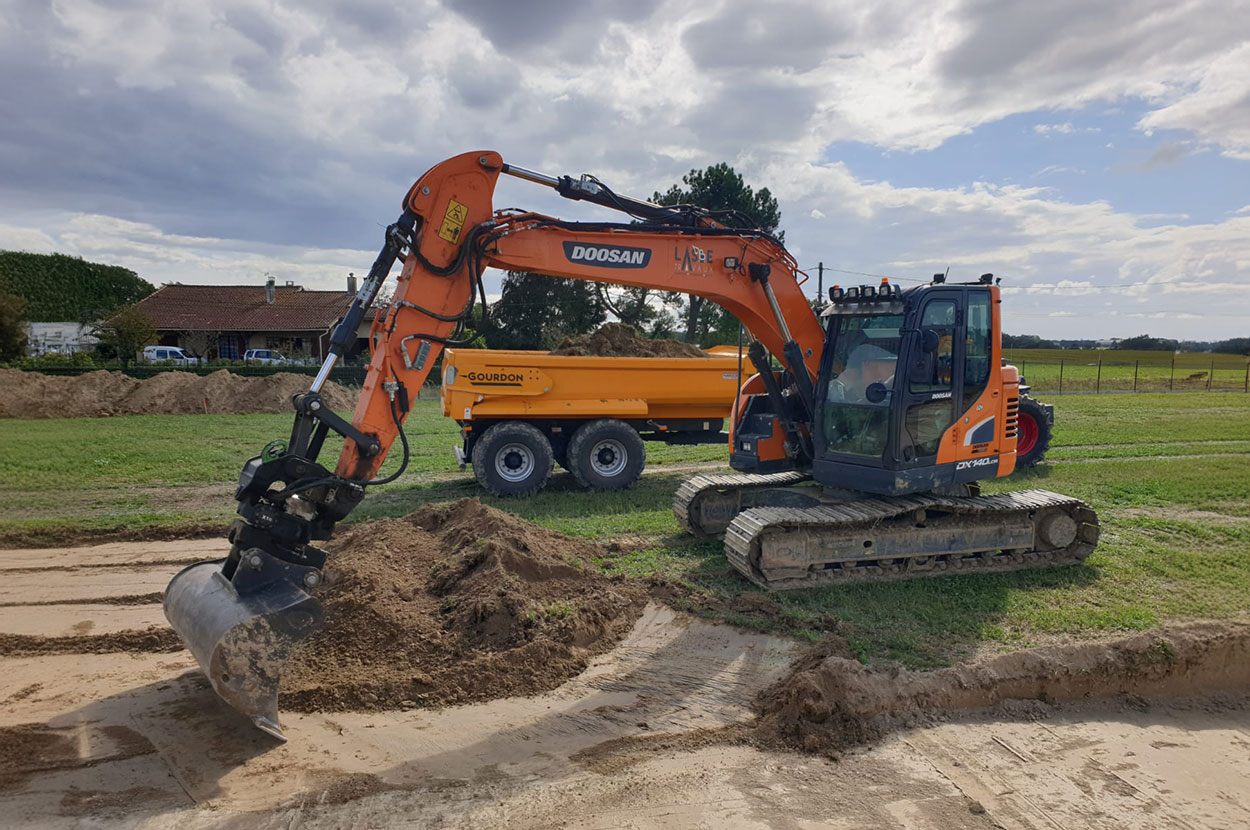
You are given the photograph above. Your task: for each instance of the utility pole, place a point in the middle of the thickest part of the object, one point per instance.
(820, 282)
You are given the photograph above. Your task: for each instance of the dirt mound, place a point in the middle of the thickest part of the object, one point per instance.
(620, 340)
(455, 603)
(829, 703)
(102, 393)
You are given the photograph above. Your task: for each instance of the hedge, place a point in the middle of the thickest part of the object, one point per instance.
(60, 288)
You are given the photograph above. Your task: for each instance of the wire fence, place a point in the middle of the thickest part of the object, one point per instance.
(1081, 376)
(1043, 369)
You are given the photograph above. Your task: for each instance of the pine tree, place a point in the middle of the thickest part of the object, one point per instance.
(721, 188)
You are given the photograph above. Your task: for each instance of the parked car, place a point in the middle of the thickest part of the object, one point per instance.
(173, 354)
(266, 357)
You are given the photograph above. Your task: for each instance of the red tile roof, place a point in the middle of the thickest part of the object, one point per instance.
(243, 308)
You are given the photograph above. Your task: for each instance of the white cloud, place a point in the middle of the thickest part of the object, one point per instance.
(30, 240)
(1058, 168)
(1218, 109)
(1063, 129)
(162, 257)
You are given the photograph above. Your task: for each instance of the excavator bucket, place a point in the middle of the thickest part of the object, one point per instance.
(242, 630)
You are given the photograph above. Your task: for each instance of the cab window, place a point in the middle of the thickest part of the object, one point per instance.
(939, 317)
(932, 382)
(978, 347)
(865, 354)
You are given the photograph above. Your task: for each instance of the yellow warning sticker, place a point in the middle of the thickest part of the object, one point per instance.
(453, 222)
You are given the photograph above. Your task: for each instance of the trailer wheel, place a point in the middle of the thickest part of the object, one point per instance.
(512, 459)
(1033, 437)
(606, 455)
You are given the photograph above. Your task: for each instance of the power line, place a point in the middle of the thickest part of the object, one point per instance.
(863, 273)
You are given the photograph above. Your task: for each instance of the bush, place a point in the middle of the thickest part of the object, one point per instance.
(55, 360)
(13, 319)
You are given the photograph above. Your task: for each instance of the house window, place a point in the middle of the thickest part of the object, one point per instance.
(228, 347)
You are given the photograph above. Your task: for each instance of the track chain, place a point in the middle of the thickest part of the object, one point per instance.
(751, 527)
(686, 499)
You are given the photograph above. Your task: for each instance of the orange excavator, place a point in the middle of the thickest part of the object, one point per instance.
(858, 441)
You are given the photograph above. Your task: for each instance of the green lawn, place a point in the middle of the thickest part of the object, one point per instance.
(1168, 474)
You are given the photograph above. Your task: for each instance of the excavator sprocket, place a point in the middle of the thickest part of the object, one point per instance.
(705, 505)
(906, 537)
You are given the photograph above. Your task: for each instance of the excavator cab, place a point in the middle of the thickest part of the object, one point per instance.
(911, 396)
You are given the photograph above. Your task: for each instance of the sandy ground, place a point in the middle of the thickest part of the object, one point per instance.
(137, 739)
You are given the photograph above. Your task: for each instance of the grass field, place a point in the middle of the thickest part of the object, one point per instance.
(1116, 370)
(1168, 474)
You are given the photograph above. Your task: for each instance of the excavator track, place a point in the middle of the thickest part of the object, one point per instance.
(907, 537)
(705, 504)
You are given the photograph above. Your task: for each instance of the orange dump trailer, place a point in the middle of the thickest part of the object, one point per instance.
(521, 411)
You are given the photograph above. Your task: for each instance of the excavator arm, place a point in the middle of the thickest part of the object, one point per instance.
(458, 234)
(241, 617)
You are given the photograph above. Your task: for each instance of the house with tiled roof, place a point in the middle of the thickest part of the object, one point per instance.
(224, 321)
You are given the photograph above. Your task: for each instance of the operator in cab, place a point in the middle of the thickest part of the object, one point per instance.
(856, 424)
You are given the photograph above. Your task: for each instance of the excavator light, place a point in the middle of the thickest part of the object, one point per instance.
(852, 293)
(870, 291)
(731, 263)
(836, 293)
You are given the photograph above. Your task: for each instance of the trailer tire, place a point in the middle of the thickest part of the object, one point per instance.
(606, 455)
(1033, 433)
(512, 458)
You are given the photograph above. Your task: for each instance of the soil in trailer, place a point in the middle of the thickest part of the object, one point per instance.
(620, 340)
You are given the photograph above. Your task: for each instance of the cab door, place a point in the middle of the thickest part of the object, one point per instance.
(934, 378)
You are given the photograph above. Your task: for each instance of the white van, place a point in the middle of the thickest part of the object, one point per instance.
(265, 357)
(161, 354)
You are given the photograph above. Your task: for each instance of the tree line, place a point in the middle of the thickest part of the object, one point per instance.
(1142, 342)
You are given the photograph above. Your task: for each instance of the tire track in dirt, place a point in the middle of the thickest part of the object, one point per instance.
(118, 599)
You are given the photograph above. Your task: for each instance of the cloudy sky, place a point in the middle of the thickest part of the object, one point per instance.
(1094, 155)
